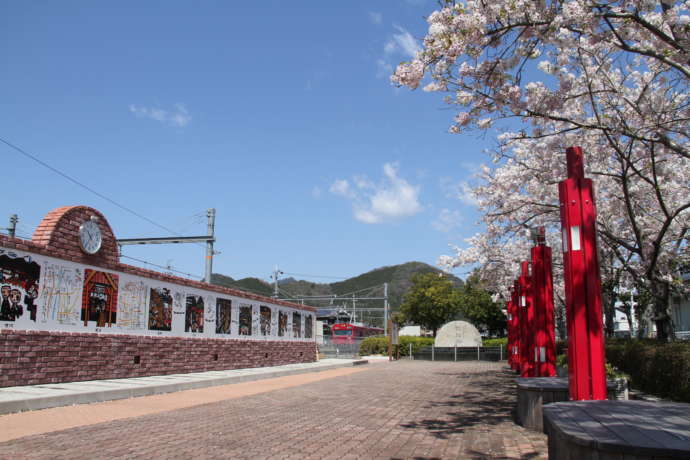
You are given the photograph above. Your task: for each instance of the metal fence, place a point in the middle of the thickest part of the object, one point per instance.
(460, 354)
(340, 350)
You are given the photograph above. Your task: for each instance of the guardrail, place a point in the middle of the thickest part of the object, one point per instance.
(683, 335)
(461, 354)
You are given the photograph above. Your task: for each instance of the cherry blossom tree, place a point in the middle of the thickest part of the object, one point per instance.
(610, 76)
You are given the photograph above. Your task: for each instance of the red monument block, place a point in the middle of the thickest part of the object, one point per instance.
(542, 293)
(586, 359)
(526, 306)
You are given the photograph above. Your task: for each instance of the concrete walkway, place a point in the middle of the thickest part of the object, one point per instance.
(33, 397)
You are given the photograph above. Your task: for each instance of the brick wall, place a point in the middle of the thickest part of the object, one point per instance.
(35, 357)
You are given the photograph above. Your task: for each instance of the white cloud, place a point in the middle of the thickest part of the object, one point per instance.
(178, 117)
(375, 17)
(393, 198)
(461, 190)
(341, 187)
(402, 43)
(447, 220)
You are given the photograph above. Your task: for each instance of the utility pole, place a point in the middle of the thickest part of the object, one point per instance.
(12, 229)
(211, 214)
(385, 309)
(354, 309)
(274, 276)
(208, 239)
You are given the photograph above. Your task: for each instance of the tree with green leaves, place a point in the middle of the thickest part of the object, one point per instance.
(431, 301)
(478, 307)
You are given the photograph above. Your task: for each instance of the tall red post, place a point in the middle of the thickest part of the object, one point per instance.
(586, 358)
(509, 325)
(526, 305)
(517, 336)
(542, 289)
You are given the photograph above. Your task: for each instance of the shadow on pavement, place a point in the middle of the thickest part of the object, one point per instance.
(490, 401)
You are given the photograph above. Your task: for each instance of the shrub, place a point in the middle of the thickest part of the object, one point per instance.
(374, 346)
(500, 342)
(659, 369)
(417, 344)
(379, 345)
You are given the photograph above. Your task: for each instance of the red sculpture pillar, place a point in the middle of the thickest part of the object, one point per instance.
(526, 306)
(512, 321)
(586, 358)
(544, 328)
(515, 349)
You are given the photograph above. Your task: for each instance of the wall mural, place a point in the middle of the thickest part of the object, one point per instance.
(41, 292)
(19, 277)
(99, 298)
(296, 324)
(223, 315)
(210, 313)
(61, 294)
(194, 314)
(245, 319)
(160, 309)
(282, 323)
(265, 313)
(132, 306)
(308, 326)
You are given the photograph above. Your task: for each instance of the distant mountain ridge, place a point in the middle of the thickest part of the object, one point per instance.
(398, 277)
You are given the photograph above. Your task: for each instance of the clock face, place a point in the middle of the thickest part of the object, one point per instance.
(90, 237)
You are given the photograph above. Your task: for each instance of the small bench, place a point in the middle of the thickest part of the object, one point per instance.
(633, 430)
(535, 392)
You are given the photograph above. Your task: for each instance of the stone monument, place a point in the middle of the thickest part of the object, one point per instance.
(458, 334)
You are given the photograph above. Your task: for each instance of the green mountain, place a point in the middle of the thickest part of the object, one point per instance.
(369, 284)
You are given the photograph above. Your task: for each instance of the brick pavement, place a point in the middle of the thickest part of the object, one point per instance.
(406, 409)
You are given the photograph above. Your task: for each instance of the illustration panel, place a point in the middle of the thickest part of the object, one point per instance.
(160, 309)
(132, 306)
(245, 320)
(265, 324)
(282, 323)
(61, 294)
(223, 316)
(99, 298)
(296, 324)
(194, 314)
(308, 326)
(19, 277)
(210, 314)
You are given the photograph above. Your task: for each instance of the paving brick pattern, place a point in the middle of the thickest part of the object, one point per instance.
(417, 409)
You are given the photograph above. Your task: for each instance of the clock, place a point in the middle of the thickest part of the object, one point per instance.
(90, 237)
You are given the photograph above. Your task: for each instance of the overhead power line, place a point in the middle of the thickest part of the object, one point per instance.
(86, 187)
(316, 276)
(190, 275)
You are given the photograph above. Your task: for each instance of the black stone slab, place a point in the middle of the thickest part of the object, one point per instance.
(638, 429)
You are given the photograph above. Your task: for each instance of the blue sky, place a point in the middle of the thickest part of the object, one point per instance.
(278, 114)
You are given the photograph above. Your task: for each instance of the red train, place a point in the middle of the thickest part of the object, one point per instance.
(346, 332)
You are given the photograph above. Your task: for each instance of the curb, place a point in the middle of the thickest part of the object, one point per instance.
(35, 397)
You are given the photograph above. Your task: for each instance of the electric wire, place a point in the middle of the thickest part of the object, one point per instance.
(161, 266)
(316, 276)
(86, 187)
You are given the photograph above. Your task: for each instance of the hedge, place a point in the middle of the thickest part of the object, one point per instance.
(659, 369)
(379, 345)
(500, 342)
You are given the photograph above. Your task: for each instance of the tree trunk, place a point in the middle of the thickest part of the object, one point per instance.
(559, 313)
(609, 301)
(662, 319)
